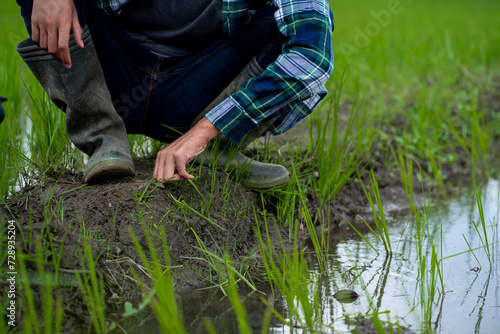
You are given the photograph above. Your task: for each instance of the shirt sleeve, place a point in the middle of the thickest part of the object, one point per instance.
(298, 74)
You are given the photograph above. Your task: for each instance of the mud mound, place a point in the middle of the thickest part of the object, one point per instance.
(213, 208)
(212, 212)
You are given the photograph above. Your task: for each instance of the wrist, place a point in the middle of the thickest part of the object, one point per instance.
(207, 129)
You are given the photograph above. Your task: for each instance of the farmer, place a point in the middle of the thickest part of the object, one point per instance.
(182, 72)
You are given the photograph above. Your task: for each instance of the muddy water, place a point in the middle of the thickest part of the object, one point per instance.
(471, 302)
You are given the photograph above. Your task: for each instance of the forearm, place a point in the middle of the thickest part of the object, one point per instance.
(298, 75)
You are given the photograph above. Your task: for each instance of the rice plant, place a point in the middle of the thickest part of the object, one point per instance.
(92, 285)
(484, 236)
(339, 155)
(378, 217)
(163, 302)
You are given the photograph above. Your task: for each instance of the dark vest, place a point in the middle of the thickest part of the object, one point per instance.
(173, 27)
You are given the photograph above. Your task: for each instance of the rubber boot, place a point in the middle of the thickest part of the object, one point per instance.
(251, 173)
(92, 123)
(2, 114)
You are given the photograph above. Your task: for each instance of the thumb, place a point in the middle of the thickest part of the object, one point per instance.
(181, 169)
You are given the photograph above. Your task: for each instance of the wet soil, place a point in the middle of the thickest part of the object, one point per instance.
(104, 216)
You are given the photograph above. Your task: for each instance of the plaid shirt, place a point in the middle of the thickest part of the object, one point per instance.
(292, 86)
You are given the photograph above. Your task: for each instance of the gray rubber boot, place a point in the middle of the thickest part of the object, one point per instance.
(92, 123)
(250, 173)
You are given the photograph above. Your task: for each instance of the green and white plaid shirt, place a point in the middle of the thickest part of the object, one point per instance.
(289, 88)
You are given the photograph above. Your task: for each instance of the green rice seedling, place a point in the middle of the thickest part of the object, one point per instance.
(364, 238)
(288, 274)
(205, 206)
(163, 302)
(430, 266)
(209, 326)
(219, 265)
(320, 243)
(142, 197)
(226, 195)
(378, 217)
(93, 291)
(86, 234)
(214, 156)
(476, 139)
(52, 319)
(183, 205)
(337, 161)
(51, 309)
(472, 251)
(234, 298)
(290, 196)
(423, 137)
(54, 253)
(484, 237)
(287, 204)
(49, 143)
(30, 320)
(405, 168)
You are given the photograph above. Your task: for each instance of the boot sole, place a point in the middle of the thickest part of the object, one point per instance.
(109, 170)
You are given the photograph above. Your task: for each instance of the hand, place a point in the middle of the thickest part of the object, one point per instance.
(171, 161)
(51, 24)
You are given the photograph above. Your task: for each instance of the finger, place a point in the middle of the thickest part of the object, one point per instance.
(52, 42)
(181, 169)
(63, 45)
(43, 39)
(174, 178)
(35, 34)
(169, 168)
(77, 30)
(159, 166)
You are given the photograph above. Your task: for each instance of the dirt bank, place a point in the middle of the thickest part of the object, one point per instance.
(213, 207)
(104, 215)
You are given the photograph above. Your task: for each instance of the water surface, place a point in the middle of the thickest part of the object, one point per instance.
(471, 299)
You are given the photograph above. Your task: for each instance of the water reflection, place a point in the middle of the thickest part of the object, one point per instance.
(198, 307)
(469, 304)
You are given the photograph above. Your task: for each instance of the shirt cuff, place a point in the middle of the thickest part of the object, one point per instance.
(232, 120)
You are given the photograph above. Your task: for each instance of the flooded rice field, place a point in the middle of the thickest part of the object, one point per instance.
(395, 289)
(471, 299)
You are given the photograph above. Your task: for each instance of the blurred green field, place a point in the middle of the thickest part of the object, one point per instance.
(429, 74)
(393, 48)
